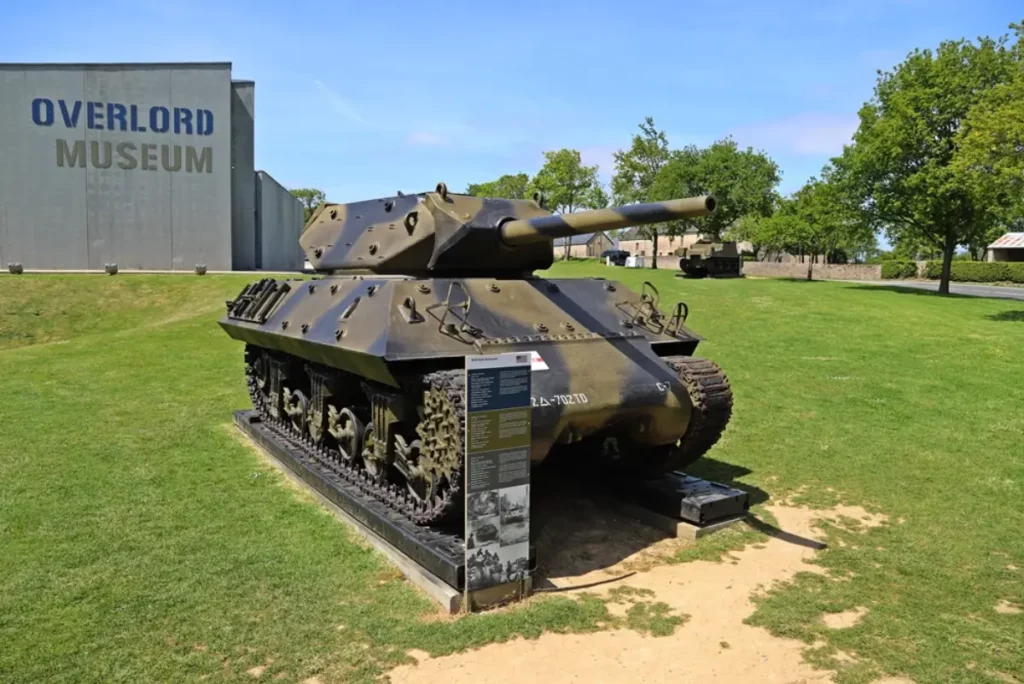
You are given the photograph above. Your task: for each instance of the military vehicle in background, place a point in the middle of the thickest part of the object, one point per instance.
(362, 365)
(708, 258)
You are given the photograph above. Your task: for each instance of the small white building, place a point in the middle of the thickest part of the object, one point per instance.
(1010, 247)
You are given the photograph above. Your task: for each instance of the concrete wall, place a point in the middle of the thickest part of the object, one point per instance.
(278, 226)
(243, 184)
(771, 269)
(115, 163)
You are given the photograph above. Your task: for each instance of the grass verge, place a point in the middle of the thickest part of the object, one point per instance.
(140, 541)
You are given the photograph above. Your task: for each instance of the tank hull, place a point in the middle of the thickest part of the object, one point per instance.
(379, 346)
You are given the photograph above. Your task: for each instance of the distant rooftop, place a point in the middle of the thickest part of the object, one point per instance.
(578, 239)
(1009, 241)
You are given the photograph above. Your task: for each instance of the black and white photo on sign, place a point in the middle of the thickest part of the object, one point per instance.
(482, 504)
(515, 533)
(490, 565)
(483, 531)
(515, 504)
(515, 561)
(484, 567)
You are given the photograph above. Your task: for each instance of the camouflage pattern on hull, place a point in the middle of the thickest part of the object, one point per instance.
(364, 362)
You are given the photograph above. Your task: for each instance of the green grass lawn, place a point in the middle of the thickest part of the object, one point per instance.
(141, 541)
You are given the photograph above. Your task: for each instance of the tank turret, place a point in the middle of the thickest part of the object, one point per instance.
(445, 233)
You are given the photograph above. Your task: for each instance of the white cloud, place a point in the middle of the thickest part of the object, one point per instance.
(425, 138)
(805, 133)
(339, 104)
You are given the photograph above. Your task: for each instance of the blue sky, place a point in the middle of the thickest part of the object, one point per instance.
(365, 98)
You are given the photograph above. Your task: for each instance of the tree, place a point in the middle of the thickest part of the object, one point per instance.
(310, 198)
(990, 151)
(568, 185)
(769, 235)
(902, 155)
(826, 220)
(508, 186)
(742, 181)
(636, 170)
(819, 220)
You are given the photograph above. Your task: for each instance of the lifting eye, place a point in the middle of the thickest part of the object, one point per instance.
(411, 219)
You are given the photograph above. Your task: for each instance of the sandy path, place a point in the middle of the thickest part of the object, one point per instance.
(713, 645)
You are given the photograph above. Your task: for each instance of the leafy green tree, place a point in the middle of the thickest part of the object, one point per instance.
(509, 186)
(635, 172)
(311, 198)
(769, 235)
(568, 185)
(826, 220)
(991, 150)
(901, 160)
(743, 182)
(821, 220)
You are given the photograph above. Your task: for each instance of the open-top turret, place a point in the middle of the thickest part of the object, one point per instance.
(444, 233)
(363, 364)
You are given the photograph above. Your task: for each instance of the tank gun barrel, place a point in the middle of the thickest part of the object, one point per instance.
(523, 231)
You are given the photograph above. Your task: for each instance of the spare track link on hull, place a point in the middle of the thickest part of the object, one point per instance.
(711, 396)
(445, 509)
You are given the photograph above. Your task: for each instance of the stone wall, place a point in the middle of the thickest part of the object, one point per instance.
(771, 269)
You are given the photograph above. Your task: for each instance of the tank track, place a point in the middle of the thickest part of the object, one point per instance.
(444, 509)
(711, 396)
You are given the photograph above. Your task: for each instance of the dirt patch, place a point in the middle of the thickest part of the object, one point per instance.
(257, 671)
(1002, 677)
(846, 619)
(712, 644)
(1008, 608)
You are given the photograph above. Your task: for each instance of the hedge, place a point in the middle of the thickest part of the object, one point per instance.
(899, 269)
(979, 271)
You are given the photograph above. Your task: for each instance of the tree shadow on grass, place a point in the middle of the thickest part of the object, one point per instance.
(1017, 316)
(805, 281)
(910, 289)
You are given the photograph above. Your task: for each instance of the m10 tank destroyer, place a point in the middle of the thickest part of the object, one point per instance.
(706, 258)
(364, 362)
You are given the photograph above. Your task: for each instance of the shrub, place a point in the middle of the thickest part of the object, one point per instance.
(978, 271)
(898, 269)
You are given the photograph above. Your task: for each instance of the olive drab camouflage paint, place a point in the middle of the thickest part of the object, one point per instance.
(364, 362)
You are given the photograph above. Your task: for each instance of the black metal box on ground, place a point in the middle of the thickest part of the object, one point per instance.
(691, 499)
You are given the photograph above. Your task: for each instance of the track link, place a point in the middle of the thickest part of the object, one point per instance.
(443, 509)
(711, 396)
